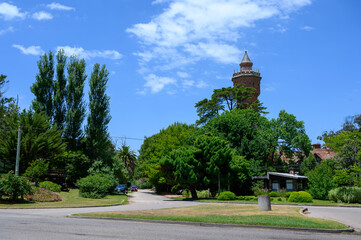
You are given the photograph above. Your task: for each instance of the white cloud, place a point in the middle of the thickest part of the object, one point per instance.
(9, 29)
(87, 54)
(278, 28)
(42, 16)
(58, 6)
(201, 84)
(188, 83)
(307, 28)
(32, 50)
(188, 31)
(9, 12)
(183, 74)
(156, 83)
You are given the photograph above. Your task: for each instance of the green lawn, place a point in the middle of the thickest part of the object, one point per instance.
(71, 199)
(281, 216)
(315, 202)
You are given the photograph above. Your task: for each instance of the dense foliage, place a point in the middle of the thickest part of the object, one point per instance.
(50, 186)
(345, 194)
(13, 186)
(95, 186)
(302, 197)
(227, 195)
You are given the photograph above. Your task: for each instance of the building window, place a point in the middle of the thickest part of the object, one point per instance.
(289, 185)
(249, 84)
(253, 84)
(275, 185)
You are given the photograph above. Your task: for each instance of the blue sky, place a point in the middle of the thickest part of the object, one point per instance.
(164, 56)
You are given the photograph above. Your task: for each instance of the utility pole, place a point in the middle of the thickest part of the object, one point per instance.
(18, 151)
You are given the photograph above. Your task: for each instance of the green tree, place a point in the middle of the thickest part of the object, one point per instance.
(74, 103)
(348, 147)
(39, 140)
(186, 168)
(320, 179)
(129, 158)
(158, 145)
(97, 136)
(43, 88)
(60, 90)
(224, 99)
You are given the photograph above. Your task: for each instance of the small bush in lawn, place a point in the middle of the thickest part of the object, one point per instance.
(50, 186)
(345, 194)
(303, 197)
(272, 198)
(260, 191)
(255, 199)
(274, 194)
(44, 195)
(241, 198)
(248, 198)
(227, 195)
(203, 194)
(288, 194)
(13, 186)
(94, 186)
(279, 199)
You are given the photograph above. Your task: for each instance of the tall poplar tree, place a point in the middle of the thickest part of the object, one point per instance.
(99, 116)
(74, 103)
(43, 87)
(60, 90)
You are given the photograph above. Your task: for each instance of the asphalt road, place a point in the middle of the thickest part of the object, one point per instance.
(345, 215)
(53, 224)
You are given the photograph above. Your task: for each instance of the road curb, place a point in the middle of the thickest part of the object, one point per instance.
(222, 225)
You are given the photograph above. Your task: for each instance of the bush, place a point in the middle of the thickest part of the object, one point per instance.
(248, 198)
(44, 195)
(274, 194)
(37, 169)
(345, 194)
(303, 197)
(94, 186)
(241, 198)
(272, 198)
(279, 199)
(50, 186)
(288, 194)
(203, 194)
(260, 191)
(320, 180)
(13, 186)
(227, 195)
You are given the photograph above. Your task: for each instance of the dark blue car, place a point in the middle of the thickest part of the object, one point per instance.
(121, 188)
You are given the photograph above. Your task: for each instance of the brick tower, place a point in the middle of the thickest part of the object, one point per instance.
(248, 77)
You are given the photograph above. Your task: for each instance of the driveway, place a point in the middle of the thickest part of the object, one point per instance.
(141, 200)
(345, 215)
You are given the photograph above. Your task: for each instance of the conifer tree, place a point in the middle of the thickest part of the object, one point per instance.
(43, 87)
(74, 102)
(60, 90)
(99, 116)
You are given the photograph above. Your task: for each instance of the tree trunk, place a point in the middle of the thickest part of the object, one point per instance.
(194, 193)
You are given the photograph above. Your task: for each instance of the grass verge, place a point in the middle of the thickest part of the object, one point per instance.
(70, 199)
(280, 216)
(316, 202)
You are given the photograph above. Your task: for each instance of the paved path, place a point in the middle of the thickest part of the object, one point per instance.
(141, 200)
(345, 215)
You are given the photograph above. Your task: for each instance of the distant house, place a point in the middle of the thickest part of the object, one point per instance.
(275, 181)
(322, 153)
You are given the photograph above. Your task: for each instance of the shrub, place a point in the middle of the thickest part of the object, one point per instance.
(241, 198)
(255, 199)
(50, 186)
(248, 198)
(227, 195)
(274, 194)
(44, 195)
(279, 199)
(94, 186)
(301, 196)
(321, 180)
(272, 198)
(345, 194)
(13, 186)
(260, 191)
(37, 169)
(203, 194)
(288, 194)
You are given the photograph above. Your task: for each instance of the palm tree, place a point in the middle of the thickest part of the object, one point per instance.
(129, 158)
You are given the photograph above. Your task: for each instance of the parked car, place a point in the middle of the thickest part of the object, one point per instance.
(121, 188)
(134, 188)
(64, 187)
